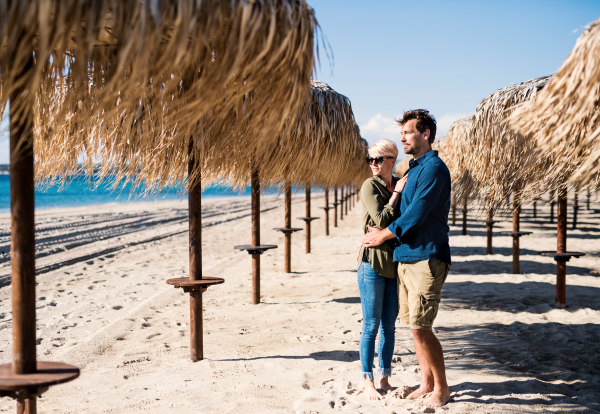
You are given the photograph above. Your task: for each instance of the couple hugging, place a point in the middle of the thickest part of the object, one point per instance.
(405, 256)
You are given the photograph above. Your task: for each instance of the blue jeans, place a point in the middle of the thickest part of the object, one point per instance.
(379, 300)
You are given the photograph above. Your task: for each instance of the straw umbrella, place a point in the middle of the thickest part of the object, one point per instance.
(501, 161)
(323, 129)
(129, 115)
(564, 122)
(454, 150)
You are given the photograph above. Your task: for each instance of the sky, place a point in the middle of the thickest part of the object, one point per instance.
(444, 56)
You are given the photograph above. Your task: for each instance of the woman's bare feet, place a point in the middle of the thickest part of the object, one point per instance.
(371, 392)
(437, 398)
(384, 384)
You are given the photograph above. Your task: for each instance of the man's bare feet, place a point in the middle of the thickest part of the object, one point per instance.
(419, 392)
(437, 398)
(384, 384)
(371, 392)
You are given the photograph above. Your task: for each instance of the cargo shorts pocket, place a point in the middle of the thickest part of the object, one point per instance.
(429, 303)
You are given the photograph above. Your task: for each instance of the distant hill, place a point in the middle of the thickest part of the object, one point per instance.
(4, 168)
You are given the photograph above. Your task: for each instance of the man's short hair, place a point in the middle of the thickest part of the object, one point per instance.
(424, 121)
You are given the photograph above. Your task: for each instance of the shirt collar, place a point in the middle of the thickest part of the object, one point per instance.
(422, 159)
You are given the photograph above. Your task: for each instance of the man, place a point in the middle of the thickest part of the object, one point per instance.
(424, 252)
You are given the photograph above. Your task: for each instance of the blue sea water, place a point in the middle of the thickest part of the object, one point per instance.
(82, 192)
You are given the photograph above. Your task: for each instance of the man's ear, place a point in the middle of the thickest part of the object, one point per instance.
(426, 134)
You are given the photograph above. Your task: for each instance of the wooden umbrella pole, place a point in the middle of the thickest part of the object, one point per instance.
(307, 226)
(588, 196)
(489, 230)
(575, 208)
(535, 209)
(255, 197)
(335, 204)
(341, 202)
(453, 208)
(464, 224)
(195, 245)
(561, 247)
(516, 267)
(288, 224)
(22, 245)
(347, 198)
(327, 211)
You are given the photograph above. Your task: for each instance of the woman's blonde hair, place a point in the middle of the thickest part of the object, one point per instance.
(384, 147)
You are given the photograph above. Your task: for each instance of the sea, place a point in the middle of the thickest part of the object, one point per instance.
(82, 191)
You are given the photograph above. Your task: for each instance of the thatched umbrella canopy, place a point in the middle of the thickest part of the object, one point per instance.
(501, 161)
(564, 118)
(131, 84)
(319, 145)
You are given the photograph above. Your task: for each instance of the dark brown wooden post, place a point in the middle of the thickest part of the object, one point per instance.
(307, 225)
(195, 246)
(22, 246)
(326, 211)
(341, 202)
(335, 207)
(575, 209)
(27, 405)
(255, 196)
(489, 230)
(561, 247)
(588, 196)
(453, 205)
(516, 267)
(535, 209)
(347, 197)
(288, 224)
(464, 224)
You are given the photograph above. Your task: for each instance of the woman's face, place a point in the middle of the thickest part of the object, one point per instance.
(385, 167)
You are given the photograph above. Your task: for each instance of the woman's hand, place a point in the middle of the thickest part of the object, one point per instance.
(401, 183)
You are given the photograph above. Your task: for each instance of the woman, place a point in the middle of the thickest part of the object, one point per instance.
(377, 274)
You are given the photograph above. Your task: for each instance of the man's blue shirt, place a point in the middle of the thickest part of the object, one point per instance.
(422, 227)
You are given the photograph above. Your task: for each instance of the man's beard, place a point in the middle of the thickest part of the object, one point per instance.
(410, 150)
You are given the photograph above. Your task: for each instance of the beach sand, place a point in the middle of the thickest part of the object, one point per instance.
(103, 305)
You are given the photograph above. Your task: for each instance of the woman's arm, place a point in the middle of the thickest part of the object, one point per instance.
(376, 205)
(397, 194)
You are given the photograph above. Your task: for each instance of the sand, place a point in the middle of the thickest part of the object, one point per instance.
(103, 305)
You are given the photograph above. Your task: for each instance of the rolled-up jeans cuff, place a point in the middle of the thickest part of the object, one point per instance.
(367, 375)
(383, 372)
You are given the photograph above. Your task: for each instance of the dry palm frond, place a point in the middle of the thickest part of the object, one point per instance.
(564, 118)
(136, 85)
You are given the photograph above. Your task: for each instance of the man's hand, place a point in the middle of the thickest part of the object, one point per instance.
(376, 237)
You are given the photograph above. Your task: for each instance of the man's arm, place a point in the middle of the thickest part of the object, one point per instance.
(426, 199)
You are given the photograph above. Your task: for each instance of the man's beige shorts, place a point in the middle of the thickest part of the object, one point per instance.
(420, 291)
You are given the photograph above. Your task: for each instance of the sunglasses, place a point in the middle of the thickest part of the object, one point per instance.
(376, 160)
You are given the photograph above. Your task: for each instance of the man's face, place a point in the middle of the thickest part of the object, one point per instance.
(412, 140)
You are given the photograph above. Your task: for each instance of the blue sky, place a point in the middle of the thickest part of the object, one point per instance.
(445, 56)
